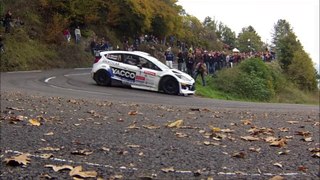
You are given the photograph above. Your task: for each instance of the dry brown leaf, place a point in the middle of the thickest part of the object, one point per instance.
(133, 146)
(175, 124)
(59, 168)
(181, 135)
(132, 113)
(18, 118)
(284, 129)
(15, 108)
(255, 149)
(49, 149)
(307, 139)
(49, 134)
(277, 178)
(84, 152)
(316, 154)
(227, 130)
(247, 121)
(207, 143)
(250, 138)
(280, 143)
(270, 139)
(293, 122)
(169, 169)
(278, 165)
(151, 126)
(46, 156)
(238, 154)
(303, 133)
(215, 129)
(22, 159)
(133, 126)
(284, 152)
(77, 172)
(34, 122)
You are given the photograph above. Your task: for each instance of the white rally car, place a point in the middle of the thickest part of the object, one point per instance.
(140, 70)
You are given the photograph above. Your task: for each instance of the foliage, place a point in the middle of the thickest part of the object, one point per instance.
(251, 80)
(301, 71)
(249, 40)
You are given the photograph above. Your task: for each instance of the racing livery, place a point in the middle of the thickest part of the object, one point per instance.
(140, 70)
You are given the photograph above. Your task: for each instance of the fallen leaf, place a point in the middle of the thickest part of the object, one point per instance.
(238, 154)
(15, 108)
(278, 165)
(169, 169)
(280, 143)
(307, 139)
(250, 138)
(303, 133)
(49, 149)
(77, 172)
(270, 139)
(181, 135)
(277, 178)
(255, 149)
(246, 122)
(151, 127)
(293, 122)
(85, 152)
(105, 149)
(18, 118)
(59, 168)
(207, 143)
(284, 129)
(133, 146)
(175, 124)
(48, 134)
(317, 154)
(283, 152)
(132, 113)
(215, 129)
(46, 156)
(34, 122)
(227, 130)
(133, 126)
(22, 159)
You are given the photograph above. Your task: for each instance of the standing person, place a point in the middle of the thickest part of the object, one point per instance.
(66, 34)
(93, 46)
(169, 57)
(1, 45)
(201, 69)
(7, 21)
(180, 60)
(189, 64)
(77, 33)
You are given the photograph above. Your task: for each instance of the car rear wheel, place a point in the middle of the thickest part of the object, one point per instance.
(102, 78)
(170, 85)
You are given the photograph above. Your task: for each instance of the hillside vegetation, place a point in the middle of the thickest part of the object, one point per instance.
(38, 43)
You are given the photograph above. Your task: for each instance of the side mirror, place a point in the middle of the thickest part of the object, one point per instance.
(139, 66)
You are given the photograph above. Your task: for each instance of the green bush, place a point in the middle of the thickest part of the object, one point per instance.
(251, 79)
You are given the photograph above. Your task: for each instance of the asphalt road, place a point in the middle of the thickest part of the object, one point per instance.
(122, 133)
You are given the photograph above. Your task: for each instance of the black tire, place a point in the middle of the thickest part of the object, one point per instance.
(170, 85)
(102, 78)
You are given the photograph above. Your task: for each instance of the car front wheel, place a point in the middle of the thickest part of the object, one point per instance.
(102, 78)
(170, 85)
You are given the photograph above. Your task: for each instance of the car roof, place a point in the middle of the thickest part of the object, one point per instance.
(140, 53)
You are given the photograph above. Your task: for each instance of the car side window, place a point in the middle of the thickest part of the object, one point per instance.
(147, 64)
(131, 59)
(114, 57)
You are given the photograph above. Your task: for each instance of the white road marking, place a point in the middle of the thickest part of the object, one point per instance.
(48, 79)
(16, 72)
(176, 171)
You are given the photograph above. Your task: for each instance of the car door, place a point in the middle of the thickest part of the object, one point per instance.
(148, 74)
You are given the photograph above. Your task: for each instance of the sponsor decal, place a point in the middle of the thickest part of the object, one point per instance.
(124, 74)
(150, 73)
(140, 78)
